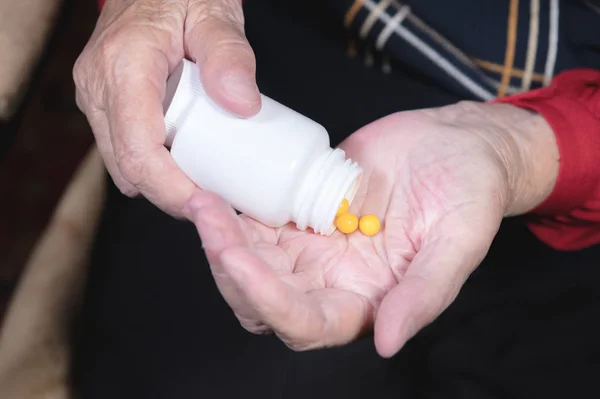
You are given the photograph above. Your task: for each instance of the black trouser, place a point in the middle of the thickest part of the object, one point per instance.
(154, 326)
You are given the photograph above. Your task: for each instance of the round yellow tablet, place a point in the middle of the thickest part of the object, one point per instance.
(343, 207)
(369, 225)
(347, 223)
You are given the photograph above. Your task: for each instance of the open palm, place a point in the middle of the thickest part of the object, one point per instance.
(439, 186)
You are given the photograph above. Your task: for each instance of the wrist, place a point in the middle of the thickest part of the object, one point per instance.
(531, 159)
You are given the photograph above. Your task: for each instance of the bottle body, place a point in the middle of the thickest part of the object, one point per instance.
(269, 166)
(255, 164)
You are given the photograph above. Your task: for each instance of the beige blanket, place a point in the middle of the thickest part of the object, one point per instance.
(25, 26)
(34, 340)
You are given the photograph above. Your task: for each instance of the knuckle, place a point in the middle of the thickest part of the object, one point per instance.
(132, 40)
(79, 71)
(156, 22)
(132, 167)
(86, 84)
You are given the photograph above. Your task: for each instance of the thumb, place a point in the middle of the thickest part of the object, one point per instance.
(215, 40)
(430, 284)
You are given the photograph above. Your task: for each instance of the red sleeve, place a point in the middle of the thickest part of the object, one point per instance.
(100, 3)
(569, 218)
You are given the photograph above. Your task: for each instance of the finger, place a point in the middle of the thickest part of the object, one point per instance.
(321, 318)
(220, 228)
(134, 110)
(430, 284)
(257, 283)
(215, 40)
(217, 223)
(100, 128)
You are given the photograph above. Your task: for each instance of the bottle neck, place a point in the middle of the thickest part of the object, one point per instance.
(182, 91)
(330, 178)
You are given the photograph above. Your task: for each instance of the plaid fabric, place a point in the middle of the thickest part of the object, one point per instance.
(479, 49)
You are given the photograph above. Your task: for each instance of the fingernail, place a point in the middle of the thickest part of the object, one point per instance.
(241, 88)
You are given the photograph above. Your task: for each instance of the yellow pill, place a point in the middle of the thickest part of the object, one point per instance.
(369, 225)
(343, 207)
(347, 222)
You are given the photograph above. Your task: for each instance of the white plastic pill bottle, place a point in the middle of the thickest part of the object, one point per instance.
(276, 167)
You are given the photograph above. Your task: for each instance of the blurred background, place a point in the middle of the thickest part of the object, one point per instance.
(43, 136)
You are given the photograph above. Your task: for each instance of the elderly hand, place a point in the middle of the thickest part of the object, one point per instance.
(440, 179)
(121, 77)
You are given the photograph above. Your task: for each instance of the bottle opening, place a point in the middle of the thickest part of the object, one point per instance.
(348, 190)
(330, 179)
(351, 193)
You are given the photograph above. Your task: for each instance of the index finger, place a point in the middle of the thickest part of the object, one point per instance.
(135, 112)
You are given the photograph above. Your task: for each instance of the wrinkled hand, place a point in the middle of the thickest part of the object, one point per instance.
(121, 77)
(440, 179)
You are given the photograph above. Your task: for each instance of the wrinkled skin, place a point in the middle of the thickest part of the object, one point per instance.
(441, 182)
(121, 81)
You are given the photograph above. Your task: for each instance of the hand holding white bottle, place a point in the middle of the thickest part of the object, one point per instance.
(276, 167)
(120, 79)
